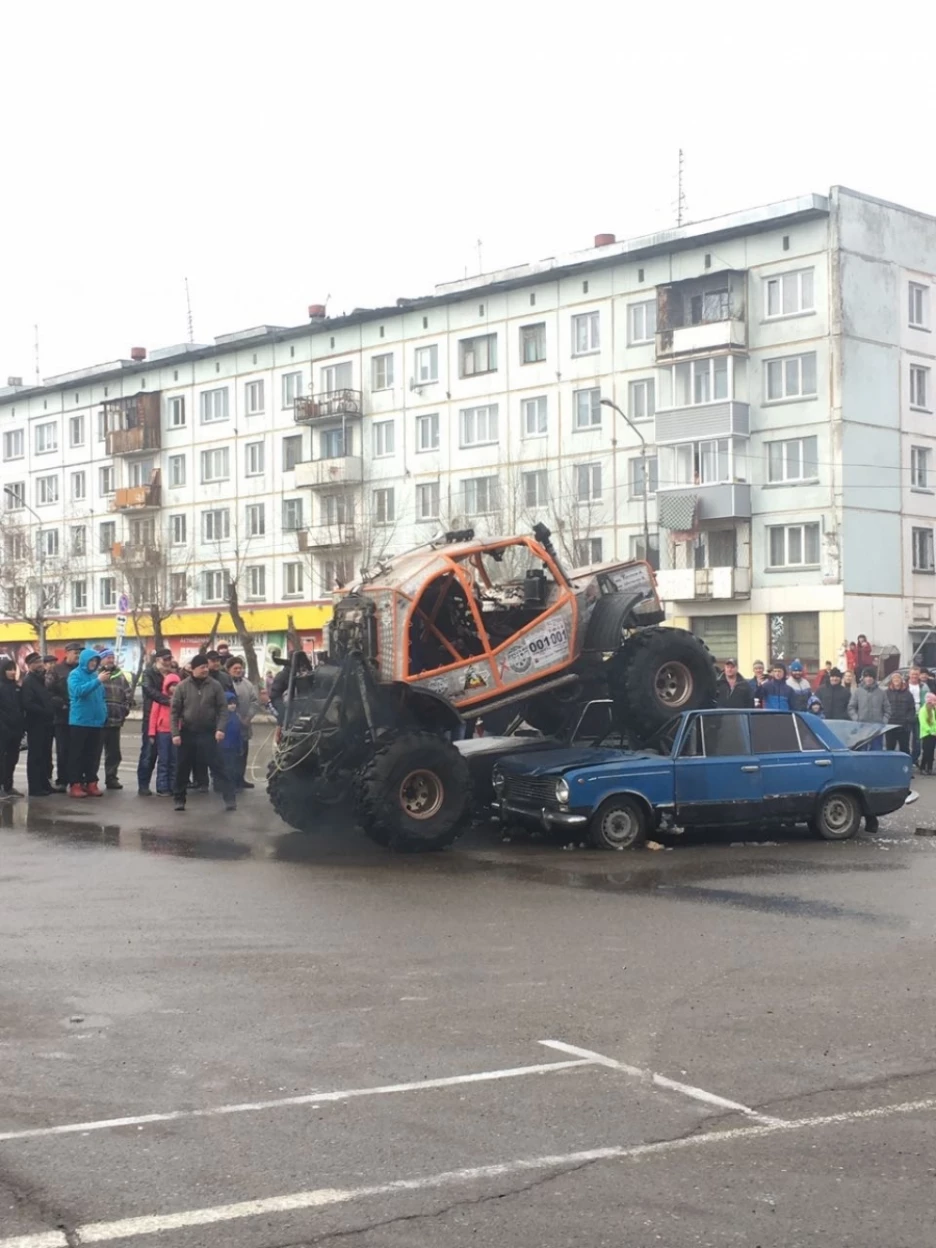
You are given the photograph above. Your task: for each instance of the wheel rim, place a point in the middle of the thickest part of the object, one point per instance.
(674, 684)
(619, 828)
(422, 794)
(837, 814)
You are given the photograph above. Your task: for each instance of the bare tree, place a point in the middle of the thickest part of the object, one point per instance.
(576, 509)
(33, 580)
(353, 538)
(155, 577)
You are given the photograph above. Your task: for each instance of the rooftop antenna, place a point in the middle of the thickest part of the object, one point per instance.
(36, 343)
(480, 264)
(680, 193)
(188, 305)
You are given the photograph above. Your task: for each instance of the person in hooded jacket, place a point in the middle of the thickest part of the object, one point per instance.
(12, 724)
(800, 685)
(776, 693)
(87, 715)
(834, 696)
(901, 711)
(39, 710)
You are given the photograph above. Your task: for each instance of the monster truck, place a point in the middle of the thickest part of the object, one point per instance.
(436, 638)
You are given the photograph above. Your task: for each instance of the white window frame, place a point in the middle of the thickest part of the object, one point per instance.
(216, 524)
(176, 468)
(293, 580)
(337, 509)
(290, 442)
(592, 415)
(480, 495)
(335, 443)
(107, 592)
(337, 377)
(293, 508)
(793, 373)
(80, 480)
(921, 549)
(588, 484)
(426, 364)
(920, 468)
(256, 582)
(106, 483)
(79, 540)
(76, 430)
(480, 353)
(587, 551)
(214, 405)
(427, 432)
(47, 490)
(382, 371)
(46, 437)
(14, 496)
(919, 387)
(14, 438)
(254, 397)
(384, 435)
(79, 595)
(586, 333)
(428, 492)
(535, 483)
(254, 459)
(107, 536)
(178, 528)
(215, 464)
(641, 322)
(478, 426)
(788, 530)
(255, 519)
(213, 585)
(691, 459)
(702, 375)
(535, 416)
(794, 456)
(291, 385)
(635, 475)
(176, 412)
(918, 309)
(800, 284)
(49, 543)
(533, 337)
(384, 505)
(641, 398)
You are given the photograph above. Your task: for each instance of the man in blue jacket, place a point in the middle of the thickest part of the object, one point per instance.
(87, 715)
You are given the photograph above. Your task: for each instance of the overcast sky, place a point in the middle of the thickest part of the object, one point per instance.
(285, 153)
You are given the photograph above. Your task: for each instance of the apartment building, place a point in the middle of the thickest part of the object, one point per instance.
(773, 368)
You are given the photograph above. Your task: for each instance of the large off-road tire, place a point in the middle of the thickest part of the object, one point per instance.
(657, 673)
(414, 794)
(302, 800)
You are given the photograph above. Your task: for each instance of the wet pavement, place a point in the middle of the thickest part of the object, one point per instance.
(215, 1031)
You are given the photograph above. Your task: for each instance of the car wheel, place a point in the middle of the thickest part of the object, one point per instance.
(619, 823)
(837, 817)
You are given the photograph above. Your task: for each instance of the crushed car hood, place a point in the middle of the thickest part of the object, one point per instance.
(854, 735)
(543, 763)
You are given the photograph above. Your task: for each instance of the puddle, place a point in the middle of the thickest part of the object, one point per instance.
(182, 846)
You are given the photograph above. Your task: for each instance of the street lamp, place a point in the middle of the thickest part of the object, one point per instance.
(21, 502)
(643, 471)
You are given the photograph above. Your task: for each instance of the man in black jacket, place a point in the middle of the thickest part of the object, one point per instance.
(733, 689)
(58, 687)
(11, 726)
(834, 696)
(39, 711)
(199, 716)
(151, 682)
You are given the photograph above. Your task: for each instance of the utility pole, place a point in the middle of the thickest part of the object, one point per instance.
(188, 305)
(40, 564)
(36, 349)
(643, 472)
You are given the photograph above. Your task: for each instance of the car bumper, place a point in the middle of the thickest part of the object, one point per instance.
(885, 802)
(543, 816)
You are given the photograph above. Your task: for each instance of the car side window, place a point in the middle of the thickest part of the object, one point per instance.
(774, 732)
(808, 739)
(725, 735)
(692, 742)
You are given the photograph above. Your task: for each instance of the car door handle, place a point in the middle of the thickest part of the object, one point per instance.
(822, 762)
(752, 767)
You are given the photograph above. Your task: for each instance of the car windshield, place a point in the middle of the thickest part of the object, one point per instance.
(663, 740)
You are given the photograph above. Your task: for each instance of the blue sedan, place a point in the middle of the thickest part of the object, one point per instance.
(710, 768)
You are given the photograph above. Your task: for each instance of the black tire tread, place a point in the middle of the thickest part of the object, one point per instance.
(628, 672)
(378, 818)
(292, 796)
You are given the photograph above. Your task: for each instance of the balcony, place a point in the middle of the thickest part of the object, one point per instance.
(702, 315)
(705, 584)
(724, 419)
(682, 508)
(330, 537)
(137, 497)
(132, 441)
(701, 339)
(319, 474)
(332, 405)
(130, 553)
(133, 423)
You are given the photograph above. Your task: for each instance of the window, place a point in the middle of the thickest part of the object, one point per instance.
(791, 377)
(292, 388)
(793, 546)
(14, 547)
(215, 464)
(214, 405)
(789, 294)
(703, 463)
(178, 527)
(382, 372)
(79, 487)
(641, 322)
(384, 506)
(254, 457)
(478, 425)
(337, 509)
(141, 471)
(923, 550)
(334, 443)
(177, 412)
(427, 501)
(587, 408)
(335, 573)
(14, 444)
(76, 430)
(105, 421)
(293, 579)
(587, 482)
(256, 581)
(794, 460)
(640, 399)
(383, 437)
(477, 355)
(725, 736)
(773, 734)
(49, 543)
(216, 524)
(919, 386)
(587, 550)
(143, 532)
(47, 490)
(107, 536)
(292, 452)
(337, 376)
(535, 488)
(427, 432)
(214, 585)
(479, 495)
(292, 515)
(919, 467)
(253, 397)
(636, 475)
(919, 306)
(534, 416)
(79, 595)
(176, 471)
(638, 549)
(426, 362)
(14, 496)
(79, 540)
(586, 333)
(46, 438)
(178, 589)
(107, 591)
(533, 343)
(695, 382)
(256, 519)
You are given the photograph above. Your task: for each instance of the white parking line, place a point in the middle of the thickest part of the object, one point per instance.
(319, 1198)
(662, 1081)
(310, 1098)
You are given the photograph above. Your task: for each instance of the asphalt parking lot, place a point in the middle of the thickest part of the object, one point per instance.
(214, 1031)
